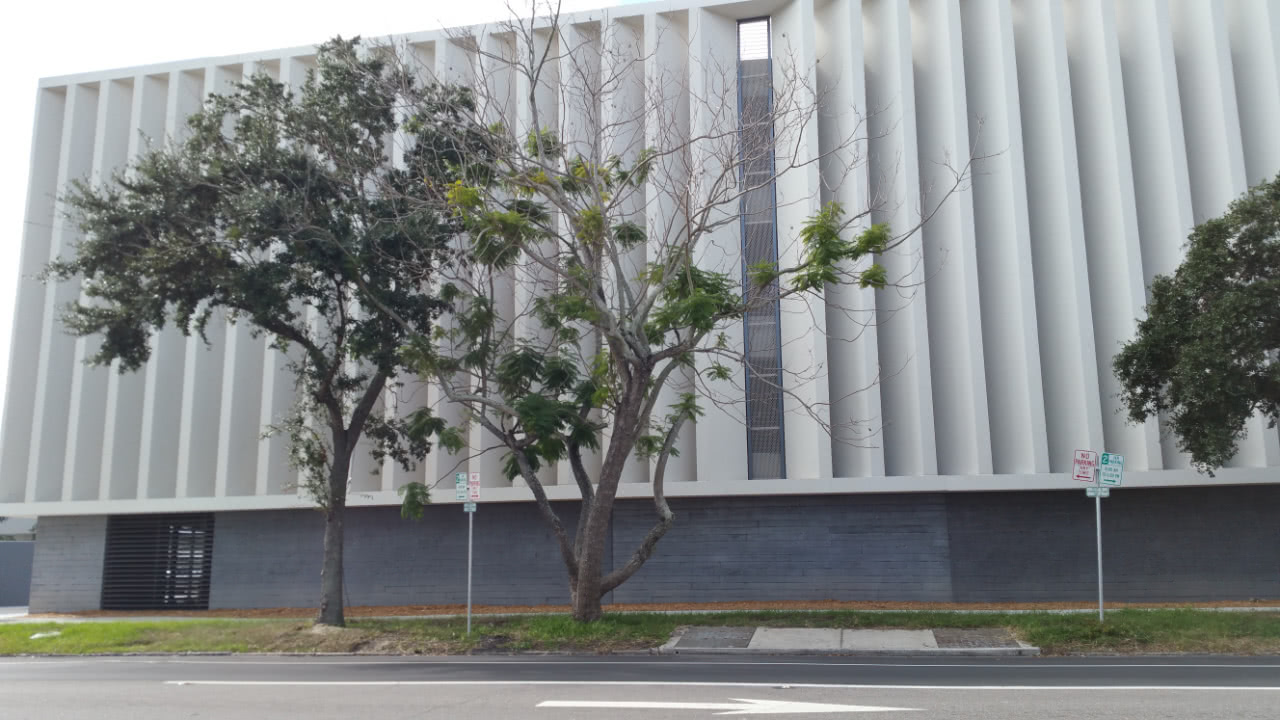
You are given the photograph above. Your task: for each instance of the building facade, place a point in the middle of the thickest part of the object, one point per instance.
(1101, 133)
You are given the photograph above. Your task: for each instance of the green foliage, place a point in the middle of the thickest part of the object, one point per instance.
(1206, 354)
(281, 211)
(825, 251)
(414, 498)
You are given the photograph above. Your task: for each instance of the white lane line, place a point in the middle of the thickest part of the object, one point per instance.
(739, 706)
(237, 660)
(642, 683)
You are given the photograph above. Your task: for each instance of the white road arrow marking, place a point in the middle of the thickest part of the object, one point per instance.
(739, 706)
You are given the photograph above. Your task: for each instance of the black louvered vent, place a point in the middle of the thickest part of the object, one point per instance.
(158, 562)
(766, 449)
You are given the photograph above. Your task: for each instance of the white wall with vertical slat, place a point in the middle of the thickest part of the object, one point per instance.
(1162, 185)
(1068, 363)
(906, 382)
(1106, 130)
(962, 426)
(1215, 148)
(857, 448)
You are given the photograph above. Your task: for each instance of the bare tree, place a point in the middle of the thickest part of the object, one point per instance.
(605, 188)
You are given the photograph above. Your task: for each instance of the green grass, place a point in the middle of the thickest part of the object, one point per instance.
(1125, 631)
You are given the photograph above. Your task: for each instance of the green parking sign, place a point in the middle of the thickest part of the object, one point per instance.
(1111, 469)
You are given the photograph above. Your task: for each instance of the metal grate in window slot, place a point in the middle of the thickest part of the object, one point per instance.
(765, 448)
(158, 562)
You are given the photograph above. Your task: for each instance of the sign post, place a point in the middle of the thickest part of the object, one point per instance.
(1097, 504)
(467, 489)
(1105, 472)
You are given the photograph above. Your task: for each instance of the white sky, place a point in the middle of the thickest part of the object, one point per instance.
(60, 37)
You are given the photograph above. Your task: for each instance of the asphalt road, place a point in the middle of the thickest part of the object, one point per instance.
(639, 688)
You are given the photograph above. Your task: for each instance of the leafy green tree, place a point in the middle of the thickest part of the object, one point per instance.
(280, 210)
(1206, 354)
(631, 314)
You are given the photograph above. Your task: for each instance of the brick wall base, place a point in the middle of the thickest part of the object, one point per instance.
(1169, 544)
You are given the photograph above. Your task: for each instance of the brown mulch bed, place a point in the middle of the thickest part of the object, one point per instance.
(429, 610)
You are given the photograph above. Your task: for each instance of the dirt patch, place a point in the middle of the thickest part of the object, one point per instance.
(974, 638)
(431, 610)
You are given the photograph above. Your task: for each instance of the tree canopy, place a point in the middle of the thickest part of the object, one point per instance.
(281, 209)
(1206, 354)
(632, 308)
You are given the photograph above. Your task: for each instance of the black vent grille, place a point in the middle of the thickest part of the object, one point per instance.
(158, 562)
(766, 449)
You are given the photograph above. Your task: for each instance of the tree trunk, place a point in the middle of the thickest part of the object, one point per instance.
(586, 591)
(586, 598)
(331, 604)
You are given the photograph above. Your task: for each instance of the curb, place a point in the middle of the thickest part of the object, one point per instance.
(1024, 651)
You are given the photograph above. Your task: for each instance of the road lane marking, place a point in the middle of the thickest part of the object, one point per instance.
(238, 660)
(643, 683)
(739, 706)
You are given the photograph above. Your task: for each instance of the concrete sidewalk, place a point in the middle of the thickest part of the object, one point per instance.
(835, 641)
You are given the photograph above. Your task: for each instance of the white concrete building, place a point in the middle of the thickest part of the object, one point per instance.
(1108, 129)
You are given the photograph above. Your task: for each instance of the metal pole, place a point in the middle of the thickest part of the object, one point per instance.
(471, 519)
(1097, 501)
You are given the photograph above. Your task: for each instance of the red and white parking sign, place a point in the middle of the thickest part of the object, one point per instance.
(1083, 465)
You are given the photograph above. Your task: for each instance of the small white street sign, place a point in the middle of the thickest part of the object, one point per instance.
(1111, 471)
(468, 507)
(1083, 463)
(460, 486)
(1098, 492)
(473, 487)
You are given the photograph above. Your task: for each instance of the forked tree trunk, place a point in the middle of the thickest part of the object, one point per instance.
(586, 590)
(586, 599)
(332, 611)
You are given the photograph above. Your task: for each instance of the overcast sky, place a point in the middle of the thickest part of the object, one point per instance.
(57, 37)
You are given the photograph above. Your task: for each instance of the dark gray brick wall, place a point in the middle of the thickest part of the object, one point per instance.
(273, 558)
(844, 547)
(15, 572)
(1159, 544)
(266, 558)
(66, 572)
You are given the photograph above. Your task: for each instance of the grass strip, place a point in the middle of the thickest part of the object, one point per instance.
(1125, 632)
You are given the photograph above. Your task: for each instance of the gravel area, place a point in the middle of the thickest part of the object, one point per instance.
(716, 637)
(974, 638)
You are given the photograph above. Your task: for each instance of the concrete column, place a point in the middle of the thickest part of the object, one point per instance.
(18, 431)
(1110, 218)
(1162, 184)
(1215, 148)
(1068, 363)
(89, 385)
(798, 191)
(857, 448)
(202, 378)
(272, 474)
(906, 387)
(667, 42)
(1019, 437)
(122, 430)
(1254, 33)
(956, 321)
(622, 134)
(578, 99)
(46, 476)
(720, 434)
(162, 393)
(453, 64)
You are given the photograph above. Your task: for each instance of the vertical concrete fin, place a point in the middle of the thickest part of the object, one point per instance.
(956, 321)
(17, 432)
(906, 386)
(1064, 314)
